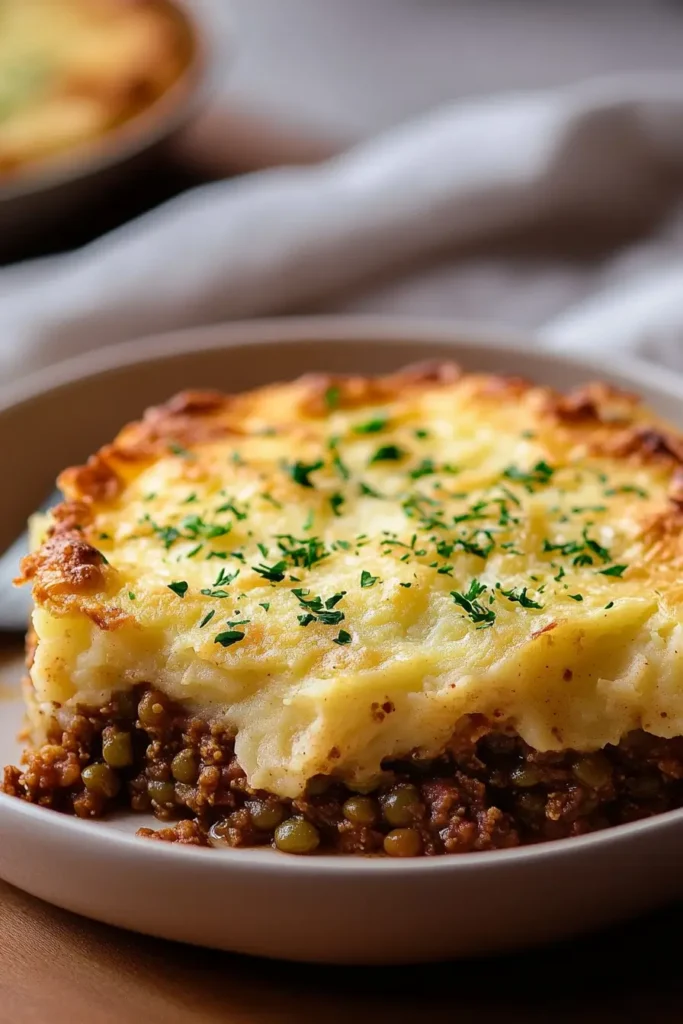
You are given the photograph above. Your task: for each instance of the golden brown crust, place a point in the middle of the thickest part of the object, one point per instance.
(611, 421)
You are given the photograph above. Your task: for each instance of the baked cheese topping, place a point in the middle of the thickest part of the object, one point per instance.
(72, 69)
(342, 568)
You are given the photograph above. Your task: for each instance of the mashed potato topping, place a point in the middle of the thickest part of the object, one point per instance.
(340, 569)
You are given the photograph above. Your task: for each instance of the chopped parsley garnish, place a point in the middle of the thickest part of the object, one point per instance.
(274, 573)
(601, 552)
(131, 595)
(538, 475)
(304, 552)
(582, 559)
(229, 637)
(177, 449)
(271, 500)
(318, 611)
(230, 506)
(610, 605)
(469, 603)
(576, 597)
(265, 605)
(301, 471)
(190, 499)
(367, 579)
(387, 453)
(310, 518)
(342, 638)
(332, 396)
(520, 596)
(207, 618)
(180, 587)
(225, 578)
(421, 435)
(627, 489)
(369, 492)
(406, 585)
(194, 551)
(425, 468)
(336, 501)
(614, 570)
(263, 549)
(105, 536)
(373, 426)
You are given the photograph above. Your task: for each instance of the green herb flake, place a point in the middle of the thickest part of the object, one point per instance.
(576, 597)
(469, 603)
(177, 449)
(626, 489)
(342, 638)
(425, 468)
(207, 618)
(301, 471)
(332, 397)
(614, 570)
(367, 579)
(274, 573)
(368, 492)
(180, 588)
(194, 551)
(520, 596)
(131, 595)
(373, 426)
(406, 585)
(421, 435)
(229, 637)
(537, 476)
(265, 605)
(336, 502)
(610, 605)
(387, 453)
(271, 500)
(190, 499)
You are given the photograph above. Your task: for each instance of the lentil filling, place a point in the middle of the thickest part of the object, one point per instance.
(488, 791)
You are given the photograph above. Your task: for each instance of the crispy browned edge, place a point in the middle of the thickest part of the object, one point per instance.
(136, 93)
(609, 421)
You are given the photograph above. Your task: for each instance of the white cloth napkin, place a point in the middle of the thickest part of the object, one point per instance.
(449, 190)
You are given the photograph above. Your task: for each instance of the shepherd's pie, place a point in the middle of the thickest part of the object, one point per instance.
(71, 70)
(429, 612)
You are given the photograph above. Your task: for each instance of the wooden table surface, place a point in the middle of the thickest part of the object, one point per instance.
(59, 968)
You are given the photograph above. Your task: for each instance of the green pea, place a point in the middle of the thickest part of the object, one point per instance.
(593, 770)
(525, 776)
(162, 793)
(401, 806)
(360, 810)
(296, 835)
(265, 815)
(117, 748)
(403, 842)
(152, 710)
(99, 778)
(318, 785)
(184, 767)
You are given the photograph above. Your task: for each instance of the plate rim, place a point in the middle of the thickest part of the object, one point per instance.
(328, 329)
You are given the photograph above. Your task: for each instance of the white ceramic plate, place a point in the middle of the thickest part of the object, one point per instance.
(323, 908)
